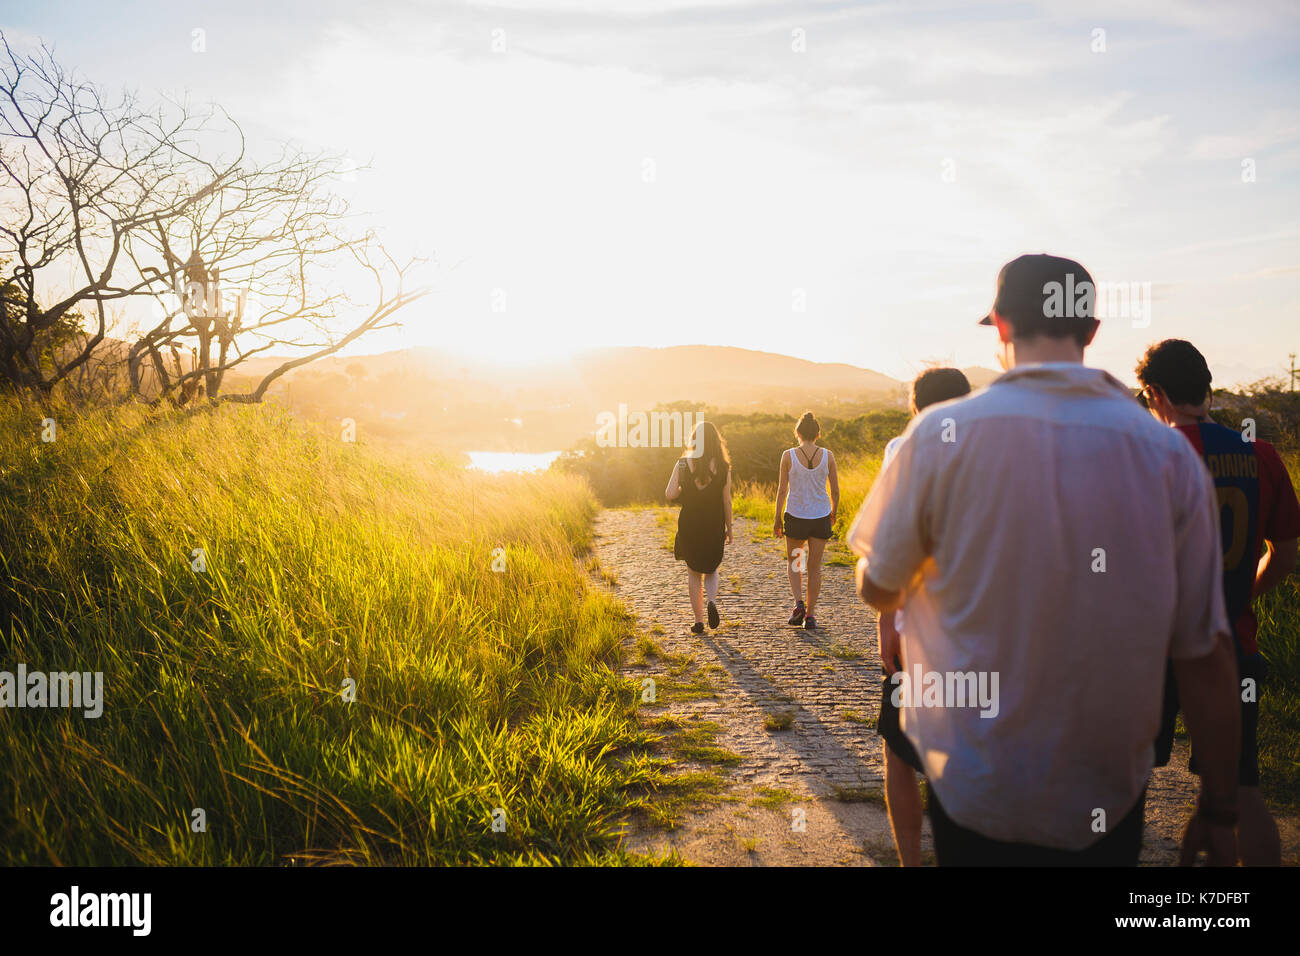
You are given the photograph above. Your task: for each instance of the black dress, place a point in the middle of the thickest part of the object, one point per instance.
(701, 526)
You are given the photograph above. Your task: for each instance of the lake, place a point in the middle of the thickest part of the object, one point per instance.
(498, 461)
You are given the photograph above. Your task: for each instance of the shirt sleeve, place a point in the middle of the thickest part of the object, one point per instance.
(889, 530)
(890, 448)
(1283, 522)
(1200, 616)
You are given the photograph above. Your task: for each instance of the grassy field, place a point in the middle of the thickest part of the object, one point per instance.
(485, 667)
(485, 679)
(1279, 706)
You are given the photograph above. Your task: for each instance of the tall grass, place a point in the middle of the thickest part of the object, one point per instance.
(1279, 700)
(476, 689)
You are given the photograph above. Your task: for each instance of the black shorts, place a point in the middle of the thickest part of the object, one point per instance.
(954, 845)
(801, 529)
(887, 725)
(1250, 666)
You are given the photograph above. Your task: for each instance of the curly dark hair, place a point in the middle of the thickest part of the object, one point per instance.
(1178, 369)
(938, 385)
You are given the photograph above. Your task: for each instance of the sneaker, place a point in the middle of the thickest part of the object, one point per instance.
(714, 620)
(810, 623)
(697, 628)
(797, 617)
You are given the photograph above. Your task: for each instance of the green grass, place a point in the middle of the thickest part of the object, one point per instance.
(714, 755)
(757, 500)
(772, 798)
(677, 796)
(644, 650)
(778, 720)
(691, 738)
(686, 684)
(686, 739)
(858, 795)
(839, 554)
(597, 570)
(476, 689)
(1279, 701)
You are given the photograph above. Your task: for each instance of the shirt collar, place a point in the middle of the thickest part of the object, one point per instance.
(1063, 377)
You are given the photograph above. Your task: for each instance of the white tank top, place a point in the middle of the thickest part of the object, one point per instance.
(808, 495)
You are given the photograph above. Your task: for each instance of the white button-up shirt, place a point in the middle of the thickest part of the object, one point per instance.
(1057, 544)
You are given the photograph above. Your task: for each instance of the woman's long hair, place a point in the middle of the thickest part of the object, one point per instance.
(708, 449)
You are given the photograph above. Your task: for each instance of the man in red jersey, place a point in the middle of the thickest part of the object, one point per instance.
(1258, 514)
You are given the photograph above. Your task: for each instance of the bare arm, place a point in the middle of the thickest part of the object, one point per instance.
(782, 490)
(890, 533)
(1277, 562)
(891, 645)
(835, 485)
(882, 600)
(674, 486)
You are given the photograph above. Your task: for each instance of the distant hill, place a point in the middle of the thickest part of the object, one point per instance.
(713, 374)
(468, 404)
(979, 376)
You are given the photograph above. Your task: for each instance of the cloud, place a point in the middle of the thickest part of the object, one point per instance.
(1265, 273)
(888, 169)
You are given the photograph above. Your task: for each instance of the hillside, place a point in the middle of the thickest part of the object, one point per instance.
(430, 395)
(979, 377)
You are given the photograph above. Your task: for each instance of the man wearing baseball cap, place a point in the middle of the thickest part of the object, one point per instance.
(1056, 544)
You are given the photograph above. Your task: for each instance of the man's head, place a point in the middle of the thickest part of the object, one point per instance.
(1175, 381)
(938, 385)
(1044, 310)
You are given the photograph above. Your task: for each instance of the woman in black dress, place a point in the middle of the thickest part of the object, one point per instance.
(701, 480)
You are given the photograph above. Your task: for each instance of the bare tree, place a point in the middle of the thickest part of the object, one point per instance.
(79, 173)
(261, 263)
(106, 200)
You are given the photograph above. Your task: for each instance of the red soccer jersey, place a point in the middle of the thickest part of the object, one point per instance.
(1278, 516)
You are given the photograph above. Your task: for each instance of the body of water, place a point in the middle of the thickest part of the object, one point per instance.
(497, 461)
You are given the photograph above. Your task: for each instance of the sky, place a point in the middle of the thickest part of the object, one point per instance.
(836, 181)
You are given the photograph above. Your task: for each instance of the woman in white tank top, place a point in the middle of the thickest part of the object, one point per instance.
(805, 514)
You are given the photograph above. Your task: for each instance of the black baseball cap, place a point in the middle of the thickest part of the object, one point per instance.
(1024, 290)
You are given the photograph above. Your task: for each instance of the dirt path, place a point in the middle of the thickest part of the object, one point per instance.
(808, 794)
